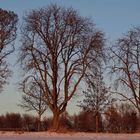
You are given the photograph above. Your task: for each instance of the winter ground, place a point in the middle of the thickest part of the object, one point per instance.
(66, 136)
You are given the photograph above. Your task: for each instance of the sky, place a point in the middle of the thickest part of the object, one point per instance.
(113, 17)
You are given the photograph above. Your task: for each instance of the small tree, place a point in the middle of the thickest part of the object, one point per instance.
(97, 97)
(58, 45)
(33, 100)
(8, 23)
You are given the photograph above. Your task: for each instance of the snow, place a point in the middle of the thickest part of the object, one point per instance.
(66, 136)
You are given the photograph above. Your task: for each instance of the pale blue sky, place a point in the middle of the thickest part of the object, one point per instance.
(113, 17)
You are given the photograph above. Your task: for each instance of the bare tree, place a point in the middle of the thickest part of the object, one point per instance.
(97, 97)
(58, 46)
(8, 23)
(32, 100)
(126, 66)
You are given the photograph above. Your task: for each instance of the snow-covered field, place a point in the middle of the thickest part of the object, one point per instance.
(67, 136)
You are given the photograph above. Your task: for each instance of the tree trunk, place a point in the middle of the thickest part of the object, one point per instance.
(55, 123)
(39, 123)
(97, 123)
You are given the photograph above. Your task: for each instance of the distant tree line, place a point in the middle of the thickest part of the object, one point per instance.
(61, 53)
(116, 119)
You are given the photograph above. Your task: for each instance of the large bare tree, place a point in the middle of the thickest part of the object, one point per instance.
(58, 46)
(8, 23)
(126, 66)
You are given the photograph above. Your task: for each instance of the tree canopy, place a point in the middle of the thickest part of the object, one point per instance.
(58, 46)
(8, 27)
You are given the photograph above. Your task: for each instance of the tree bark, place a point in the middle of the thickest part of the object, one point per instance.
(97, 123)
(39, 123)
(55, 123)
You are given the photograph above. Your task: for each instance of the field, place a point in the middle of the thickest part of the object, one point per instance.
(67, 136)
